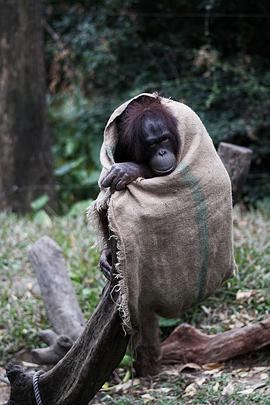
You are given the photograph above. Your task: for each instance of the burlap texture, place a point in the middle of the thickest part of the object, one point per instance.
(174, 233)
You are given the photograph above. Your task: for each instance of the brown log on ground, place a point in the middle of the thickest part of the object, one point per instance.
(60, 301)
(87, 365)
(188, 345)
(236, 160)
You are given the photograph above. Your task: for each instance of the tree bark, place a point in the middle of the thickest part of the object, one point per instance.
(89, 363)
(236, 160)
(62, 307)
(189, 345)
(60, 301)
(26, 160)
(85, 368)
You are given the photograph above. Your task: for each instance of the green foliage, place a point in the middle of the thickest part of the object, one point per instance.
(78, 208)
(107, 51)
(40, 202)
(127, 361)
(75, 148)
(42, 218)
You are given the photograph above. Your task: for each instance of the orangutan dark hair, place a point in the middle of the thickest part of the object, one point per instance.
(130, 127)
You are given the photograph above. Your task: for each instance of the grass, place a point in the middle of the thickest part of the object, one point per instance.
(22, 313)
(244, 299)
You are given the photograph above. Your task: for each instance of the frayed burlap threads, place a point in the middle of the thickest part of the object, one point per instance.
(174, 233)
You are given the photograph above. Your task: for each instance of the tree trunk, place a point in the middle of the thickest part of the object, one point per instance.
(26, 161)
(236, 160)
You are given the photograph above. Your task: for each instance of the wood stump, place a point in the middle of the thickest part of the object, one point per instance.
(236, 160)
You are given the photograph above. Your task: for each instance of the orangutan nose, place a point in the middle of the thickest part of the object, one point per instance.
(162, 152)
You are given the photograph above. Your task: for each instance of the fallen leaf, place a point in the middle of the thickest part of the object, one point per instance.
(127, 376)
(191, 390)
(244, 296)
(106, 386)
(165, 390)
(206, 310)
(213, 367)
(229, 389)
(147, 398)
(260, 369)
(243, 374)
(216, 387)
(247, 391)
(252, 388)
(199, 381)
(171, 372)
(192, 366)
(126, 386)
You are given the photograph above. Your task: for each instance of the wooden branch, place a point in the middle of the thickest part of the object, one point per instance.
(58, 347)
(87, 365)
(188, 345)
(60, 301)
(236, 160)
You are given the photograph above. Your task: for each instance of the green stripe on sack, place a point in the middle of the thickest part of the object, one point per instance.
(202, 222)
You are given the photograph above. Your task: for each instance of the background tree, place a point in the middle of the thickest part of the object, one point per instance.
(26, 161)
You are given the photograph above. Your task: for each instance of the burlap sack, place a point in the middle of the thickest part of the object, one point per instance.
(174, 233)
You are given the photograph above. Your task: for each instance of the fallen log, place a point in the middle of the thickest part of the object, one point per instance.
(60, 301)
(189, 345)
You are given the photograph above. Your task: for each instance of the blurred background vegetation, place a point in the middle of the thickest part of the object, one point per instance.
(211, 54)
